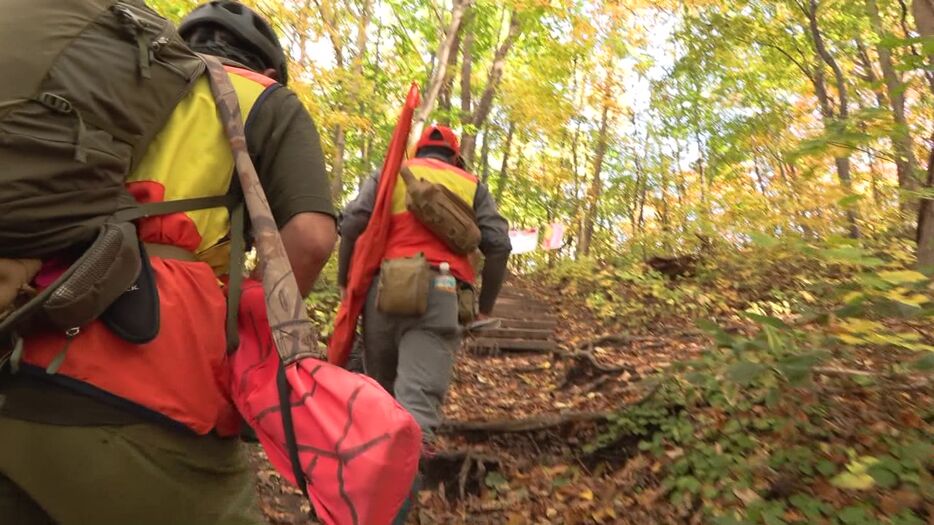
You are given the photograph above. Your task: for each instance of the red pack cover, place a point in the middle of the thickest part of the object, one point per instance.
(358, 448)
(371, 245)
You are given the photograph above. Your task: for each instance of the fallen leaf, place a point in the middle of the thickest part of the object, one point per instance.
(516, 518)
(424, 496)
(857, 474)
(674, 453)
(746, 495)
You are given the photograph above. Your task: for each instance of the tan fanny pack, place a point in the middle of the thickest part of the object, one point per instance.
(444, 213)
(403, 286)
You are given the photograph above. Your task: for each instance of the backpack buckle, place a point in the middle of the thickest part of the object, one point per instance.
(55, 102)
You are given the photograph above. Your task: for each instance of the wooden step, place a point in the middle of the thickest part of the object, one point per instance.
(512, 345)
(515, 297)
(518, 315)
(517, 333)
(521, 311)
(528, 324)
(522, 302)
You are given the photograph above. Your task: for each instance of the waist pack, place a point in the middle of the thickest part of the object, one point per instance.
(82, 293)
(86, 86)
(441, 211)
(403, 286)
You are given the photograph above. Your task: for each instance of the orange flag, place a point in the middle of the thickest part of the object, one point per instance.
(371, 245)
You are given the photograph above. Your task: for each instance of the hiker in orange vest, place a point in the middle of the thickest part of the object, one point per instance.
(412, 357)
(124, 433)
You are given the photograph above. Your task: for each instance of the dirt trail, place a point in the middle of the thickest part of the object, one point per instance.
(523, 401)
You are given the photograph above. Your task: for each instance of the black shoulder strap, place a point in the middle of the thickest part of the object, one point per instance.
(285, 407)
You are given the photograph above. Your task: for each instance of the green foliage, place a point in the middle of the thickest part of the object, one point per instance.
(324, 299)
(747, 414)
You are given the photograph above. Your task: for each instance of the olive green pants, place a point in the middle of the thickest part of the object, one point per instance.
(136, 474)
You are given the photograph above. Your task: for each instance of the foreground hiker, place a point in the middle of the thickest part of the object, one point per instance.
(411, 319)
(98, 429)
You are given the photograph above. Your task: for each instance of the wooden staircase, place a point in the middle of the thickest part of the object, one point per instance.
(528, 325)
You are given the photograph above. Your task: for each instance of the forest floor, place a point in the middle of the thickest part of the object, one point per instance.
(513, 450)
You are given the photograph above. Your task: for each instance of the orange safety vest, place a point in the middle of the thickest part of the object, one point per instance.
(407, 236)
(182, 374)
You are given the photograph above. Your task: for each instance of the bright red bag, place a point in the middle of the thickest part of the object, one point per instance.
(357, 447)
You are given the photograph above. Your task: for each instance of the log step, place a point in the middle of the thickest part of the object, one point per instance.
(526, 318)
(516, 345)
(528, 324)
(523, 305)
(517, 333)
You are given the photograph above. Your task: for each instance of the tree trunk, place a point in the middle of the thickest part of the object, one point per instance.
(485, 155)
(366, 155)
(924, 17)
(901, 138)
(921, 17)
(340, 134)
(439, 71)
(482, 111)
(870, 73)
(337, 167)
(874, 181)
(925, 235)
(633, 199)
(501, 182)
(596, 185)
(665, 211)
(330, 26)
(466, 74)
(842, 113)
(447, 86)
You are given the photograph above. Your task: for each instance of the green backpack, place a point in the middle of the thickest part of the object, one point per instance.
(87, 85)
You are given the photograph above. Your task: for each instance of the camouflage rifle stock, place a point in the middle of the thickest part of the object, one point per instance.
(292, 330)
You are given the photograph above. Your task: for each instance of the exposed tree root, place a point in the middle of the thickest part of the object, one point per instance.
(461, 473)
(542, 422)
(587, 366)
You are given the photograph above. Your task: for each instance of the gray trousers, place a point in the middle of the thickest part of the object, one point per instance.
(413, 357)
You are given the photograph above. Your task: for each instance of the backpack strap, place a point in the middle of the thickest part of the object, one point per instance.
(151, 209)
(234, 203)
(235, 273)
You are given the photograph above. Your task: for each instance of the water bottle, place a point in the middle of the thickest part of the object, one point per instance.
(445, 282)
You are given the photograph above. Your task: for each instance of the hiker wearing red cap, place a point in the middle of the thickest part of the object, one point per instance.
(412, 353)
